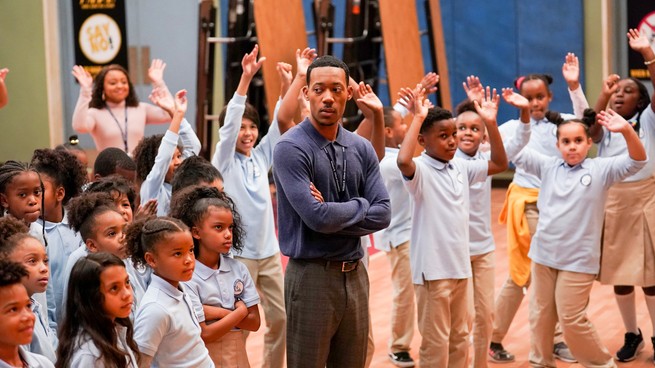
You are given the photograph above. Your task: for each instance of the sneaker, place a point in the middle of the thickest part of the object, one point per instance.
(631, 347)
(498, 354)
(401, 359)
(561, 351)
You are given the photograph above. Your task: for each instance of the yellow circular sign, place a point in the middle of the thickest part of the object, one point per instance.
(100, 38)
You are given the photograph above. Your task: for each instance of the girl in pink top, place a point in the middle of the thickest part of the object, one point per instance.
(109, 109)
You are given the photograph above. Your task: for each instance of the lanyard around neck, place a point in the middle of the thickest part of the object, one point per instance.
(123, 131)
(341, 186)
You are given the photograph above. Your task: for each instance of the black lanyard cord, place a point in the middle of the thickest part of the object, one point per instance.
(341, 186)
(123, 131)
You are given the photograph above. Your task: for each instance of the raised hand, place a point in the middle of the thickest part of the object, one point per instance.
(146, 210)
(571, 71)
(368, 98)
(284, 71)
(487, 108)
(612, 121)
(161, 97)
(156, 71)
(250, 64)
(429, 82)
(473, 88)
(304, 106)
(303, 59)
(83, 77)
(3, 74)
(610, 84)
(638, 41)
(515, 99)
(181, 101)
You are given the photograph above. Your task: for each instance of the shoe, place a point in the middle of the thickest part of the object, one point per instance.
(498, 354)
(631, 347)
(401, 359)
(561, 351)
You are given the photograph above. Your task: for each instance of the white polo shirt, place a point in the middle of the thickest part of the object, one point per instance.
(139, 280)
(86, 353)
(32, 360)
(613, 144)
(481, 239)
(400, 227)
(167, 329)
(221, 287)
(571, 207)
(44, 340)
(440, 219)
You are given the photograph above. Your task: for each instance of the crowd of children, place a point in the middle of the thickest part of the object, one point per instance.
(158, 257)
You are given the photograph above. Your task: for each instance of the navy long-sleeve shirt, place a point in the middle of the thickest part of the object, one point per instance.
(308, 229)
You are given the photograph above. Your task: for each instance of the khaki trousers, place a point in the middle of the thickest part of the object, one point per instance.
(442, 322)
(564, 294)
(268, 277)
(403, 308)
(481, 305)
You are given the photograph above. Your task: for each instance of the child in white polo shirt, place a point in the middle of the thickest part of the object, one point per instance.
(438, 185)
(565, 250)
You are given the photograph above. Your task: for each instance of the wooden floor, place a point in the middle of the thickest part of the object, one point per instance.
(602, 312)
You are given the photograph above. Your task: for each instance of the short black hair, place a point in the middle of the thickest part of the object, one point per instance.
(115, 185)
(111, 158)
(249, 112)
(464, 106)
(193, 171)
(11, 273)
(329, 61)
(434, 115)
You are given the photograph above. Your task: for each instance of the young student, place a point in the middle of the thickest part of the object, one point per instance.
(73, 147)
(224, 294)
(196, 170)
(114, 161)
(471, 133)
(21, 191)
(244, 168)
(520, 211)
(394, 240)
(121, 191)
(165, 327)
(439, 180)
(63, 176)
(158, 157)
(109, 109)
(97, 331)
(4, 96)
(628, 258)
(18, 246)
(565, 261)
(101, 227)
(16, 319)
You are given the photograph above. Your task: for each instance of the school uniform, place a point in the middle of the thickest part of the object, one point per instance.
(86, 353)
(167, 329)
(72, 259)
(566, 258)
(44, 339)
(31, 360)
(246, 182)
(36, 230)
(439, 255)
(62, 241)
(139, 279)
(483, 261)
(629, 226)
(394, 240)
(221, 288)
(154, 186)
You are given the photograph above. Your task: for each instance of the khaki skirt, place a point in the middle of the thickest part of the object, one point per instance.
(628, 251)
(229, 351)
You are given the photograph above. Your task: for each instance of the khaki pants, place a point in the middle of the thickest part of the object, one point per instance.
(511, 295)
(481, 305)
(268, 277)
(229, 351)
(564, 294)
(403, 307)
(442, 322)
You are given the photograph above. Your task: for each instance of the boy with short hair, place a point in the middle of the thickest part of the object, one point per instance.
(439, 254)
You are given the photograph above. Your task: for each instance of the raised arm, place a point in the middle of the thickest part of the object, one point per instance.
(571, 73)
(473, 88)
(640, 43)
(156, 115)
(488, 110)
(418, 105)
(289, 105)
(4, 97)
(519, 102)
(372, 127)
(82, 120)
(520, 137)
(610, 84)
(617, 124)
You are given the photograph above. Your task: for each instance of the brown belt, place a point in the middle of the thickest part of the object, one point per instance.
(343, 266)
